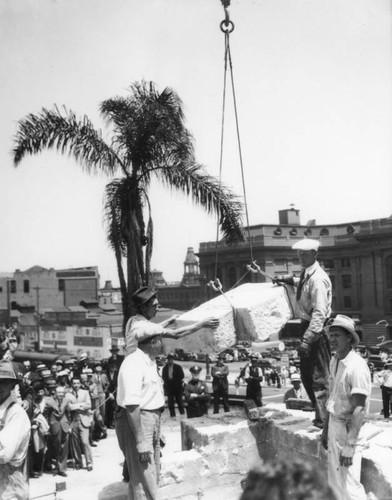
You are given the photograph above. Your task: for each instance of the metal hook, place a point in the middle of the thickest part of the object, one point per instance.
(215, 285)
(253, 268)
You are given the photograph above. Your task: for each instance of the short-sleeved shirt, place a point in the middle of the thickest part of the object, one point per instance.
(15, 435)
(139, 382)
(136, 326)
(348, 376)
(314, 304)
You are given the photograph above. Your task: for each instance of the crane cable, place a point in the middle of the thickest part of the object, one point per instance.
(227, 27)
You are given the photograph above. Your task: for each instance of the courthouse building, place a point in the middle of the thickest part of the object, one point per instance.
(356, 255)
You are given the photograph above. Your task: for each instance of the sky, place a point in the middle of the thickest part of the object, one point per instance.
(313, 83)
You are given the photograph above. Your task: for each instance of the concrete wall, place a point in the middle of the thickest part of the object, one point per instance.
(221, 452)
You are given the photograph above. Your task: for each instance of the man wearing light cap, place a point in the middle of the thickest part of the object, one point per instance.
(14, 438)
(140, 396)
(347, 405)
(297, 391)
(313, 307)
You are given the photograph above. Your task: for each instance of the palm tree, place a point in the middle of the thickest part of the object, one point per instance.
(147, 137)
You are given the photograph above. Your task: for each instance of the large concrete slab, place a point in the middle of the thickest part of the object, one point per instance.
(262, 309)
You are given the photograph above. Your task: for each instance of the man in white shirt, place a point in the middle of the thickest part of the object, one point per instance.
(313, 307)
(347, 405)
(140, 396)
(14, 438)
(384, 378)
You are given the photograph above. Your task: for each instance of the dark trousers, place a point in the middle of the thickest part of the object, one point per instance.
(197, 407)
(314, 375)
(174, 394)
(60, 448)
(386, 393)
(253, 391)
(221, 393)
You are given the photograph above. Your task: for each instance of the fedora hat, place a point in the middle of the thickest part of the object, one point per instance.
(143, 295)
(348, 324)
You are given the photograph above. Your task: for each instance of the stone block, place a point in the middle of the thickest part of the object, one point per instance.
(262, 309)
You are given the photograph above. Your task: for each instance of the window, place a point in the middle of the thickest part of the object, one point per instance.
(345, 263)
(389, 271)
(232, 277)
(350, 229)
(347, 302)
(329, 264)
(1, 289)
(293, 231)
(346, 280)
(332, 278)
(308, 232)
(61, 285)
(13, 286)
(278, 231)
(324, 232)
(26, 286)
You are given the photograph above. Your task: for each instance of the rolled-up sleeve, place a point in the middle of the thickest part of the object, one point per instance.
(14, 438)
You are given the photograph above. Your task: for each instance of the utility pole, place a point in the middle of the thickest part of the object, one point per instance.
(9, 302)
(38, 320)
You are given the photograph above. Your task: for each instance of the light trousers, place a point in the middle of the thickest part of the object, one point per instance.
(345, 481)
(144, 476)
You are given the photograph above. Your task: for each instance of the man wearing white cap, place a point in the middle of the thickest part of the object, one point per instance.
(140, 396)
(347, 406)
(313, 307)
(297, 391)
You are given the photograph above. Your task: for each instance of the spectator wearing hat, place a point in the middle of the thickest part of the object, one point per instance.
(297, 391)
(140, 396)
(173, 380)
(111, 390)
(50, 387)
(253, 377)
(347, 405)
(81, 419)
(69, 364)
(82, 364)
(115, 356)
(100, 383)
(63, 380)
(57, 413)
(313, 307)
(196, 395)
(39, 429)
(220, 385)
(14, 438)
(384, 378)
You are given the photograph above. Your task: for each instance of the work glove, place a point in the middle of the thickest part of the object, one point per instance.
(304, 349)
(283, 279)
(346, 455)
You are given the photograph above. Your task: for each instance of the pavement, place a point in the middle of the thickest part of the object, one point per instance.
(107, 468)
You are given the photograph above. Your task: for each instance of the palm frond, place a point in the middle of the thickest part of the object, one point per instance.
(51, 129)
(148, 124)
(206, 191)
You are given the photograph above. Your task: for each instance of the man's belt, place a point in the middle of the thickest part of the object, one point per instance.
(156, 410)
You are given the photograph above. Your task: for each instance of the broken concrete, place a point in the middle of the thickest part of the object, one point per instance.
(218, 451)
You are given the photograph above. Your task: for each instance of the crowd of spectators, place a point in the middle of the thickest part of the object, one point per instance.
(70, 404)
